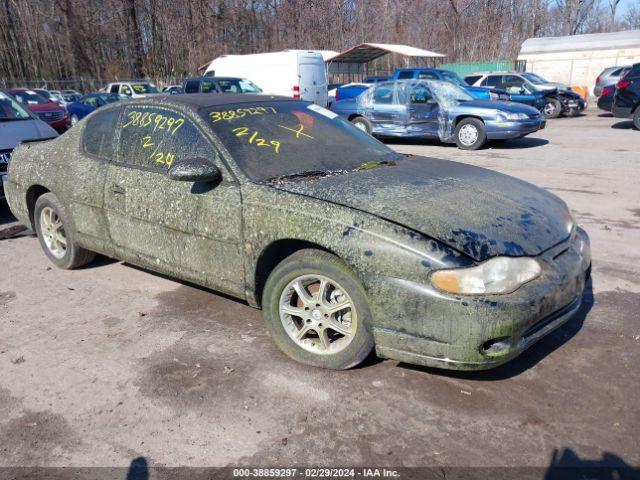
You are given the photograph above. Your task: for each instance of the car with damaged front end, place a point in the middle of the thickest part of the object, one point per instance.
(346, 245)
(437, 109)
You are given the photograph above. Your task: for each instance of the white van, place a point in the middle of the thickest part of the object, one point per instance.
(291, 73)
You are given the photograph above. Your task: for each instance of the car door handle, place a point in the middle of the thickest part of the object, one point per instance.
(118, 189)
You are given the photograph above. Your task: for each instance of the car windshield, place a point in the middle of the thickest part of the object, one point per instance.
(271, 140)
(11, 110)
(533, 78)
(454, 78)
(110, 97)
(144, 88)
(29, 97)
(46, 94)
(237, 85)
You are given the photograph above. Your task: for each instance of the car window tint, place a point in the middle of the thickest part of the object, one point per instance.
(383, 94)
(471, 79)
(114, 88)
(154, 138)
(493, 80)
(513, 81)
(98, 133)
(402, 75)
(191, 86)
(207, 86)
(428, 75)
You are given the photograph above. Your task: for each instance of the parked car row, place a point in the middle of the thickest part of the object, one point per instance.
(621, 98)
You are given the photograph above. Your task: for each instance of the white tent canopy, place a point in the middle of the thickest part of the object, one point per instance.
(366, 52)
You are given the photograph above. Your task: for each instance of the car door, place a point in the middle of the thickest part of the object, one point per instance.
(517, 88)
(423, 110)
(385, 112)
(189, 230)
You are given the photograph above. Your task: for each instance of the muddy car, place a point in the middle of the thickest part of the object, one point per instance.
(346, 245)
(437, 109)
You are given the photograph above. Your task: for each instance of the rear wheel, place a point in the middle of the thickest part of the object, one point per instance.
(636, 118)
(55, 235)
(552, 108)
(363, 124)
(316, 311)
(470, 134)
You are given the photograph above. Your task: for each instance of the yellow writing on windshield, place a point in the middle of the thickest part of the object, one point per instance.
(238, 113)
(298, 131)
(255, 139)
(157, 156)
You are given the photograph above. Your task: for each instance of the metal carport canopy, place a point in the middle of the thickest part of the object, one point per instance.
(366, 52)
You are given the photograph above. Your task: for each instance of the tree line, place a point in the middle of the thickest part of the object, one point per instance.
(107, 39)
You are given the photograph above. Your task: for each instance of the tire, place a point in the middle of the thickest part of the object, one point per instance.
(52, 224)
(552, 108)
(305, 270)
(470, 134)
(74, 119)
(636, 118)
(363, 124)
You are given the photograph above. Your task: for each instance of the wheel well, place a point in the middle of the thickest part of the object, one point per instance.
(462, 117)
(272, 255)
(354, 115)
(33, 193)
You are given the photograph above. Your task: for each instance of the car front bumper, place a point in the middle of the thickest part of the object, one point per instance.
(499, 130)
(423, 326)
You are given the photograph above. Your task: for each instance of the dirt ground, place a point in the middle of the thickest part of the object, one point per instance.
(110, 362)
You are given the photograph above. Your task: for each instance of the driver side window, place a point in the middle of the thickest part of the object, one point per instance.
(420, 95)
(125, 90)
(383, 94)
(153, 138)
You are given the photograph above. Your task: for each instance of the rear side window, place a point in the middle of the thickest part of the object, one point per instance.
(405, 74)
(471, 79)
(492, 80)
(115, 88)
(153, 138)
(191, 86)
(98, 133)
(430, 75)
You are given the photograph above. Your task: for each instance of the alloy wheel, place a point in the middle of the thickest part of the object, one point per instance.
(318, 314)
(53, 232)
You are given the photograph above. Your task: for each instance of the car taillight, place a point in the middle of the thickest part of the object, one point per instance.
(597, 79)
(622, 84)
(607, 91)
(296, 91)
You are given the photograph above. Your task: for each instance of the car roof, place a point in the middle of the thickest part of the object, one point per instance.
(206, 100)
(190, 79)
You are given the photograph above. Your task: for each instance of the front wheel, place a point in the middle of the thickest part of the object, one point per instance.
(552, 108)
(363, 124)
(55, 235)
(316, 311)
(470, 134)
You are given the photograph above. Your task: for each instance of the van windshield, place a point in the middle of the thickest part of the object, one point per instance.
(269, 140)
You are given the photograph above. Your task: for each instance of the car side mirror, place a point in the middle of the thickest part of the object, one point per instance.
(195, 169)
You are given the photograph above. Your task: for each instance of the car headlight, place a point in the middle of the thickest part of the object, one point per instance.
(498, 275)
(514, 116)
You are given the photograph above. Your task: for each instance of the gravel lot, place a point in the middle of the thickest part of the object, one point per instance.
(108, 363)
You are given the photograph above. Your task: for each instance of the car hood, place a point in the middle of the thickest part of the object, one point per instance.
(551, 85)
(474, 210)
(483, 105)
(14, 132)
(47, 107)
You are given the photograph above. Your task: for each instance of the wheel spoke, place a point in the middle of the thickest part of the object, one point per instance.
(300, 334)
(339, 327)
(333, 308)
(324, 338)
(57, 225)
(60, 238)
(294, 311)
(321, 294)
(303, 293)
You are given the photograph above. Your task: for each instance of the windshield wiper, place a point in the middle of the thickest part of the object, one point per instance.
(305, 174)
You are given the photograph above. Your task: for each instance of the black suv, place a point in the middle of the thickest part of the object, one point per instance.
(626, 102)
(219, 85)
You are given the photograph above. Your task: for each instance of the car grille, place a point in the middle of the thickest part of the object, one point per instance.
(5, 155)
(52, 116)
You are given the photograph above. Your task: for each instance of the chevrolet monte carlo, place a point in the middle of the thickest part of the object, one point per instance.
(346, 245)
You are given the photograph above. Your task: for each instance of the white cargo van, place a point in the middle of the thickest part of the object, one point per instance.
(291, 73)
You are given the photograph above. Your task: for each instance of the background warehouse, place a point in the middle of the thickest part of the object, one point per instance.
(103, 39)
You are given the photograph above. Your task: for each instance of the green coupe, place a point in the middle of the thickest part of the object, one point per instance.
(346, 245)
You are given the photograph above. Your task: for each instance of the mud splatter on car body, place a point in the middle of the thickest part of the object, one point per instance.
(393, 225)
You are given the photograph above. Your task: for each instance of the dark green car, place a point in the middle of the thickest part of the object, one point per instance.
(344, 244)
